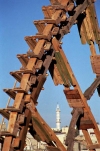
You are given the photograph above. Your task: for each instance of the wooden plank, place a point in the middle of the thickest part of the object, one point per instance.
(48, 61)
(48, 11)
(39, 49)
(24, 82)
(81, 29)
(10, 92)
(87, 137)
(31, 41)
(40, 25)
(39, 128)
(47, 46)
(38, 64)
(72, 94)
(23, 58)
(71, 20)
(16, 75)
(7, 144)
(36, 90)
(94, 22)
(46, 14)
(62, 69)
(47, 32)
(4, 113)
(51, 148)
(69, 76)
(27, 98)
(77, 112)
(89, 92)
(31, 65)
(86, 126)
(23, 131)
(55, 73)
(57, 16)
(95, 62)
(54, 2)
(18, 103)
(48, 130)
(12, 123)
(93, 146)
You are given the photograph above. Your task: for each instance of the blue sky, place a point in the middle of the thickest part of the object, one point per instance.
(16, 22)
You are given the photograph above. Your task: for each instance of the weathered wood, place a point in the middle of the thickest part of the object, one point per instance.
(10, 92)
(38, 64)
(71, 132)
(4, 113)
(23, 58)
(36, 90)
(31, 65)
(7, 144)
(31, 41)
(74, 98)
(16, 75)
(48, 130)
(89, 92)
(93, 146)
(71, 20)
(48, 11)
(23, 131)
(47, 31)
(24, 82)
(55, 73)
(51, 148)
(88, 138)
(39, 50)
(95, 62)
(40, 25)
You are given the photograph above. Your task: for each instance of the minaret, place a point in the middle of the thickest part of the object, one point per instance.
(58, 118)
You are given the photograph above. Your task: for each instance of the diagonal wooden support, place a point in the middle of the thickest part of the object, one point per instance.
(48, 132)
(71, 132)
(89, 92)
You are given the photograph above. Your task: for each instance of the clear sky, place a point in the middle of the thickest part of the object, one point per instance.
(16, 22)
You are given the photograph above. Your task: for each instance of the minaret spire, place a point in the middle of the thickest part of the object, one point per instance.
(58, 117)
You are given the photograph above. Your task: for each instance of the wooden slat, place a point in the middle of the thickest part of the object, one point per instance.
(16, 75)
(40, 25)
(72, 94)
(31, 64)
(10, 92)
(24, 82)
(38, 64)
(23, 58)
(12, 123)
(95, 62)
(38, 88)
(4, 113)
(24, 129)
(54, 2)
(18, 103)
(31, 41)
(62, 64)
(89, 92)
(48, 11)
(93, 146)
(47, 31)
(48, 130)
(55, 73)
(39, 49)
(51, 148)
(7, 143)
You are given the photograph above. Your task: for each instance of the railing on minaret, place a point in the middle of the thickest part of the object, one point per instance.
(58, 121)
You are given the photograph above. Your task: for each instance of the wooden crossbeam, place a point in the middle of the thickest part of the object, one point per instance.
(46, 128)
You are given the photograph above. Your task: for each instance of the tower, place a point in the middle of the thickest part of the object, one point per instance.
(58, 118)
